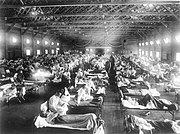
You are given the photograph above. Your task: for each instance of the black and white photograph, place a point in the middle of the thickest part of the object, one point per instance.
(89, 66)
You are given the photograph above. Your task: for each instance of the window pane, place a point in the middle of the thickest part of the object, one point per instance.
(28, 52)
(38, 52)
(177, 56)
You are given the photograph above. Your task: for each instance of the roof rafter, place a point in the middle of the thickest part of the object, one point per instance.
(90, 3)
(95, 14)
(171, 12)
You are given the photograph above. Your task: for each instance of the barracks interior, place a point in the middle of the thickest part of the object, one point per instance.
(89, 66)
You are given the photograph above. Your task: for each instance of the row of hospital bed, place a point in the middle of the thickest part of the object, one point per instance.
(88, 110)
(157, 115)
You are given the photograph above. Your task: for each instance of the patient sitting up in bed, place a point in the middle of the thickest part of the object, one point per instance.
(84, 93)
(149, 101)
(54, 111)
(58, 102)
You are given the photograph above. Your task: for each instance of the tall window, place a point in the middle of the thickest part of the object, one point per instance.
(38, 42)
(27, 41)
(177, 56)
(46, 42)
(151, 54)
(52, 51)
(14, 40)
(38, 52)
(28, 52)
(157, 54)
(140, 52)
(46, 51)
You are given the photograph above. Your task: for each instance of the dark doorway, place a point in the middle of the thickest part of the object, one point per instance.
(99, 51)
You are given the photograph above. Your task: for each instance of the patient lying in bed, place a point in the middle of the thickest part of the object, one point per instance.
(138, 91)
(132, 122)
(148, 102)
(143, 92)
(53, 114)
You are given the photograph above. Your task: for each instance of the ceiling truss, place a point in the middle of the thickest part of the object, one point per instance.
(88, 18)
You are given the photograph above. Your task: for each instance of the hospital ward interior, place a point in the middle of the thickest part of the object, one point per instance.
(89, 66)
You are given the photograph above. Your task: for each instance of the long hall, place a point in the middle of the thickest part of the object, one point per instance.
(89, 66)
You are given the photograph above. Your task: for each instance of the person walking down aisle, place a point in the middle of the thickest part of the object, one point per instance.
(112, 75)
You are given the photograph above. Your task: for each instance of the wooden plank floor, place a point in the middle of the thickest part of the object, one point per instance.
(111, 114)
(18, 118)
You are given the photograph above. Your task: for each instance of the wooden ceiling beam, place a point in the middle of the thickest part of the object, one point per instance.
(10, 27)
(96, 26)
(90, 3)
(171, 12)
(94, 14)
(92, 21)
